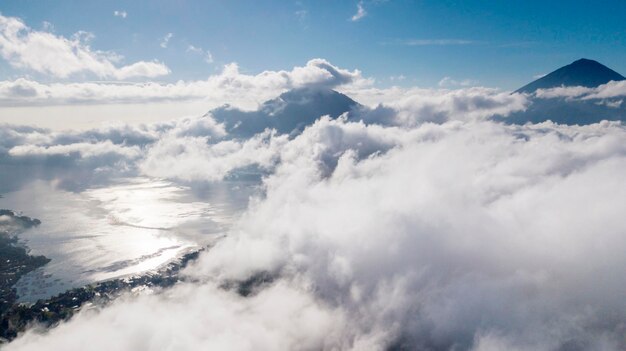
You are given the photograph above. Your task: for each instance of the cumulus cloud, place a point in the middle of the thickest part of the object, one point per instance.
(201, 148)
(50, 54)
(468, 235)
(193, 158)
(76, 160)
(452, 239)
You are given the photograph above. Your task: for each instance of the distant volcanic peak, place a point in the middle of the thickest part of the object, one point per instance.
(313, 93)
(583, 72)
(291, 112)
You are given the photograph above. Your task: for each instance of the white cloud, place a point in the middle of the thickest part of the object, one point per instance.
(449, 82)
(76, 159)
(84, 150)
(613, 89)
(569, 92)
(433, 42)
(462, 235)
(414, 106)
(276, 319)
(47, 53)
(166, 40)
(197, 50)
(193, 158)
(360, 12)
(142, 69)
(453, 234)
(398, 78)
(120, 13)
(47, 26)
(191, 149)
(229, 86)
(608, 90)
(459, 234)
(611, 104)
(208, 57)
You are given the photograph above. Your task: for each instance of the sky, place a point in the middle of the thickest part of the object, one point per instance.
(78, 64)
(491, 43)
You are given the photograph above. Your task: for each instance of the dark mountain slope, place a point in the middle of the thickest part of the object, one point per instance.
(291, 112)
(584, 72)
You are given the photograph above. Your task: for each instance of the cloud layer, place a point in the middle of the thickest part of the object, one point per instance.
(463, 234)
(609, 90)
(229, 86)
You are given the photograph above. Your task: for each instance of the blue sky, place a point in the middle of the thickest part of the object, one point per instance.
(491, 43)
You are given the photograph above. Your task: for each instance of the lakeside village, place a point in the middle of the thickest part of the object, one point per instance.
(15, 262)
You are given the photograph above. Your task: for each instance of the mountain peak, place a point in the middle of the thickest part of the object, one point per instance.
(583, 72)
(586, 61)
(288, 113)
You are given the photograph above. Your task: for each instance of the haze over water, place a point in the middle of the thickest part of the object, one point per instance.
(133, 226)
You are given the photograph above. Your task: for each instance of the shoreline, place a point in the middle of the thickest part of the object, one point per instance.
(62, 307)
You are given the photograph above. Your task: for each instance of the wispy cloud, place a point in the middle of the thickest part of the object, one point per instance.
(360, 12)
(301, 15)
(47, 26)
(120, 13)
(433, 42)
(208, 57)
(519, 44)
(166, 40)
(449, 82)
(194, 49)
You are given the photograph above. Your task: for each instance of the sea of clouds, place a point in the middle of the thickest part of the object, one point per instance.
(423, 225)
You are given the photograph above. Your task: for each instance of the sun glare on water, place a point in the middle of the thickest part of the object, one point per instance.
(134, 226)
